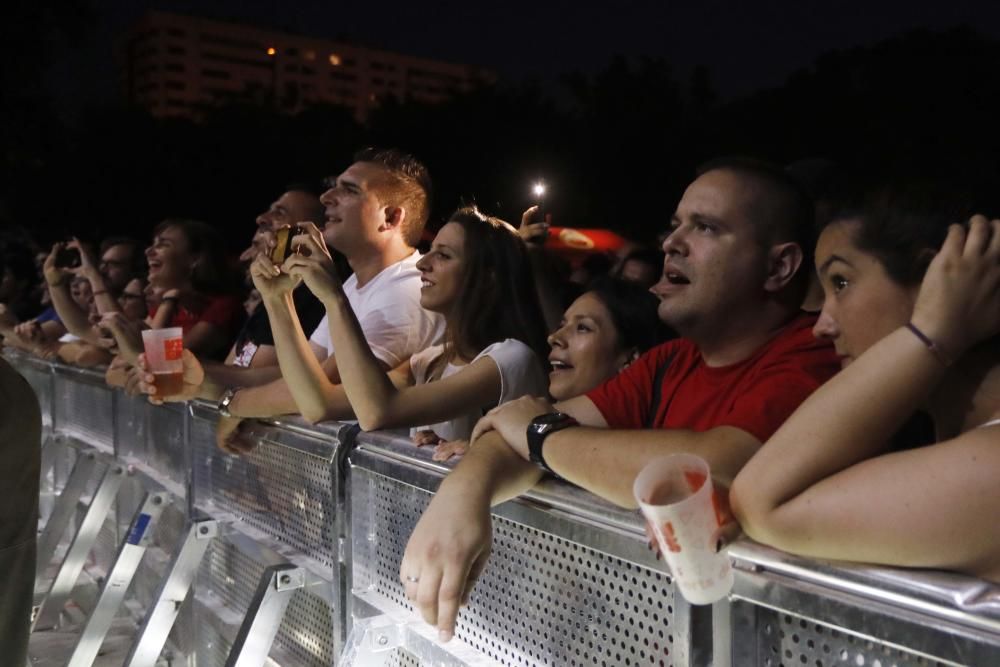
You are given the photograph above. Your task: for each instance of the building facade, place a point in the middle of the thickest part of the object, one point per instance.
(182, 66)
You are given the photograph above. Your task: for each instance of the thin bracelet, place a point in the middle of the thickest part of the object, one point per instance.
(102, 291)
(935, 349)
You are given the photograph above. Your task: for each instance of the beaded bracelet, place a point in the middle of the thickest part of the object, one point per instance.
(935, 349)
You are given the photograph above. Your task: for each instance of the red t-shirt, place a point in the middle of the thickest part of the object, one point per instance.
(224, 311)
(756, 395)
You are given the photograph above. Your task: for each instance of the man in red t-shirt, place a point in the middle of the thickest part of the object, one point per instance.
(734, 277)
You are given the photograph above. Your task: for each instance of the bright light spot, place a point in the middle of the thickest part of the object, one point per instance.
(271, 50)
(539, 189)
(335, 59)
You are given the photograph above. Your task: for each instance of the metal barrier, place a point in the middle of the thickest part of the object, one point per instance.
(217, 560)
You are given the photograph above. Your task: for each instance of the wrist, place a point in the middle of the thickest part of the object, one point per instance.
(469, 489)
(945, 346)
(275, 299)
(335, 300)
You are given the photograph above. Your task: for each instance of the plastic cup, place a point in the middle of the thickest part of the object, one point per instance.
(164, 350)
(676, 496)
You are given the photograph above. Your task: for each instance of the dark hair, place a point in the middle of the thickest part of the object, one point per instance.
(409, 186)
(19, 260)
(497, 299)
(903, 226)
(138, 262)
(648, 256)
(781, 212)
(211, 273)
(633, 311)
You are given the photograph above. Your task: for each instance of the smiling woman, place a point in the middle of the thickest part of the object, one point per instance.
(602, 332)
(188, 267)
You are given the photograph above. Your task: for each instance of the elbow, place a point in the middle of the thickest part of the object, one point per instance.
(757, 516)
(315, 414)
(373, 422)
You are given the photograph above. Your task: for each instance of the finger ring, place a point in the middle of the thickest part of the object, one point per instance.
(412, 580)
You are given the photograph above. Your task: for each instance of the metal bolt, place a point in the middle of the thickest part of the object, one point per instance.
(285, 579)
(157, 500)
(382, 640)
(203, 530)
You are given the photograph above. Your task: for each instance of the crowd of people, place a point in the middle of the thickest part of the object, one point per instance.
(833, 353)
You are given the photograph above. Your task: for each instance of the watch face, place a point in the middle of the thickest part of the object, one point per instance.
(550, 418)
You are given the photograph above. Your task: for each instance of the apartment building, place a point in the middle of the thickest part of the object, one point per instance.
(181, 66)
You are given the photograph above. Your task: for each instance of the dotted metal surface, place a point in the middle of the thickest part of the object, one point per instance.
(786, 640)
(131, 426)
(165, 442)
(102, 556)
(542, 600)
(281, 491)
(305, 636)
(401, 658)
(85, 411)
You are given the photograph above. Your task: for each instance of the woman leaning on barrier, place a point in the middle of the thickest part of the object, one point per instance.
(604, 330)
(916, 330)
(476, 275)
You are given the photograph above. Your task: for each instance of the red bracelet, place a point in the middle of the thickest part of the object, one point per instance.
(935, 348)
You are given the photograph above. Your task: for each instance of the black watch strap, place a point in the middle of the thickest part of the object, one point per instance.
(542, 427)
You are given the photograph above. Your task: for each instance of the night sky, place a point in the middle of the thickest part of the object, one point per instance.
(746, 45)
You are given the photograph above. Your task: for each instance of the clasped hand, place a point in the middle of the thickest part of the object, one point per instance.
(511, 421)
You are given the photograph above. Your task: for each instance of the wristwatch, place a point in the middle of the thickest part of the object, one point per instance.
(540, 428)
(227, 398)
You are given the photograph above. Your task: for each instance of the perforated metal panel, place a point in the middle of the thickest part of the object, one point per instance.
(786, 640)
(229, 577)
(102, 556)
(85, 408)
(280, 490)
(165, 442)
(542, 600)
(131, 426)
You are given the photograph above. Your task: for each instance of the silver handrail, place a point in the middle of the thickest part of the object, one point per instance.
(333, 501)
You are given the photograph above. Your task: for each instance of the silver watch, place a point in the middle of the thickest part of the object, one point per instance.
(227, 398)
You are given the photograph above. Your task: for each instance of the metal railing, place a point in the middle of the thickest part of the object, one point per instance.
(224, 560)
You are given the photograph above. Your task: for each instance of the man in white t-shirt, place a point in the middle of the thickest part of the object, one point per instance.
(375, 215)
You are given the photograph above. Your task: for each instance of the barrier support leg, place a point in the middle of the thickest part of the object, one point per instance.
(130, 553)
(274, 592)
(170, 595)
(69, 571)
(62, 512)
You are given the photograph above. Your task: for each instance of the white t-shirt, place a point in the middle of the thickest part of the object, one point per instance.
(520, 374)
(388, 308)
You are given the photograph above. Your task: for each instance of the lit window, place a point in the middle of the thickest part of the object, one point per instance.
(271, 51)
(310, 55)
(335, 59)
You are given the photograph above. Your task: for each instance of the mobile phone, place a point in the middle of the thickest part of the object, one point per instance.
(68, 258)
(283, 243)
(539, 189)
